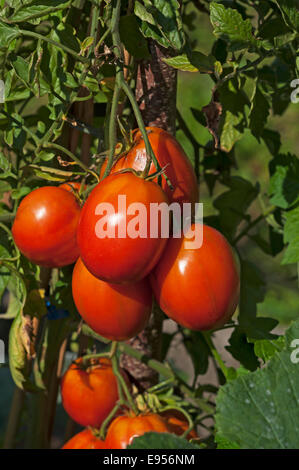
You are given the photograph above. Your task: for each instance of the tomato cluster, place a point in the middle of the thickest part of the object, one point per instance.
(117, 273)
(123, 430)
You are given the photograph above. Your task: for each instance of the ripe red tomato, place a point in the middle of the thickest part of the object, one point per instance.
(177, 423)
(89, 393)
(117, 257)
(168, 152)
(198, 288)
(45, 227)
(124, 429)
(85, 440)
(115, 311)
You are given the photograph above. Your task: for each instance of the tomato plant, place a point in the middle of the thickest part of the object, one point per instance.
(45, 227)
(84, 440)
(107, 248)
(129, 304)
(208, 278)
(89, 391)
(149, 101)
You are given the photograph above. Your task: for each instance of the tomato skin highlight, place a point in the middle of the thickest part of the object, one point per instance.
(115, 311)
(120, 259)
(124, 429)
(198, 288)
(88, 395)
(45, 227)
(85, 440)
(170, 155)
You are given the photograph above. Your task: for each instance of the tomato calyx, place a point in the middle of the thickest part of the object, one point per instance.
(87, 364)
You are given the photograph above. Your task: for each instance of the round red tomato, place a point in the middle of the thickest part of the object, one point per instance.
(115, 311)
(89, 393)
(199, 287)
(169, 154)
(124, 429)
(85, 440)
(114, 228)
(45, 227)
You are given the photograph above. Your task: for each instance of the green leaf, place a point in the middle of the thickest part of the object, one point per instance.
(132, 38)
(223, 443)
(233, 204)
(197, 62)
(161, 21)
(260, 410)
(290, 13)
(155, 440)
(37, 9)
(4, 162)
(230, 133)
(233, 100)
(7, 34)
(198, 350)
(5, 276)
(66, 34)
(284, 182)
(252, 292)
(259, 112)
(242, 350)
(18, 362)
(291, 236)
(265, 349)
(229, 25)
(21, 192)
(13, 309)
(272, 140)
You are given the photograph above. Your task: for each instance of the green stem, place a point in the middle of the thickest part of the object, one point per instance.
(7, 217)
(14, 418)
(32, 34)
(241, 70)
(207, 335)
(122, 386)
(140, 122)
(188, 418)
(112, 130)
(254, 223)
(121, 83)
(21, 125)
(87, 357)
(108, 419)
(116, 7)
(163, 370)
(72, 156)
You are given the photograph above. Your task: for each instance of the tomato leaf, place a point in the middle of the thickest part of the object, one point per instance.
(229, 25)
(155, 440)
(263, 395)
(161, 20)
